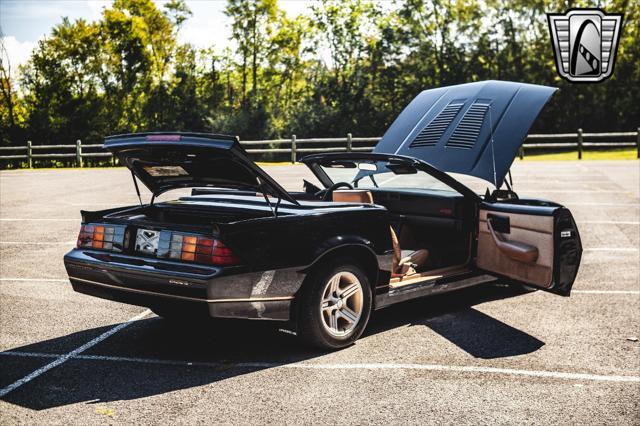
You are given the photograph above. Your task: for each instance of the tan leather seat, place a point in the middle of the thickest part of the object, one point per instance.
(400, 265)
(407, 265)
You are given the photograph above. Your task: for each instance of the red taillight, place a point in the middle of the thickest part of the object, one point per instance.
(91, 236)
(101, 237)
(198, 249)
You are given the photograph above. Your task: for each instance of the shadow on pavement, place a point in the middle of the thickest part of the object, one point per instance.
(224, 346)
(453, 317)
(233, 348)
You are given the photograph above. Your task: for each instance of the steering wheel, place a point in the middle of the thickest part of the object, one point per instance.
(329, 191)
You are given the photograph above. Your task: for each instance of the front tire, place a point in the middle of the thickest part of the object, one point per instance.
(334, 306)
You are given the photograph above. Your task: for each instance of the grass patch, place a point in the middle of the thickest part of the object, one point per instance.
(617, 154)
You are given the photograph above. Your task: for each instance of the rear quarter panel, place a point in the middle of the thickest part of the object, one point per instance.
(299, 240)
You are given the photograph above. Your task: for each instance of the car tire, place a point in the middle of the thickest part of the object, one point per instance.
(333, 306)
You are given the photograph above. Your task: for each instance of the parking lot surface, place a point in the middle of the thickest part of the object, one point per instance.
(489, 354)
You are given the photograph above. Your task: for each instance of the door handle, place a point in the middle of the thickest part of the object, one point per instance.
(522, 252)
(500, 223)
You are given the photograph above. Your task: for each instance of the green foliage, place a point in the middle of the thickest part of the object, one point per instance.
(177, 11)
(345, 66)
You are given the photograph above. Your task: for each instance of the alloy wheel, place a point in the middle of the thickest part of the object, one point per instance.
(342, 303)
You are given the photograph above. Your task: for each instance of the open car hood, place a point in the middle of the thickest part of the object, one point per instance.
(179, 160)
(452, 128)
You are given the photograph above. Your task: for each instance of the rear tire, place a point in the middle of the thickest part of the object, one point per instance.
(333, 306)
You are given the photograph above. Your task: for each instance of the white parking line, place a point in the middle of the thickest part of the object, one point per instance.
(528, 181)
(473, 369)
(38, 243)
(534, 192)
(39, 219)
(614, 249)
(608, 222)
(22, 174)
(603, 204)
(44, 280)
(347, 366)
(66, 357)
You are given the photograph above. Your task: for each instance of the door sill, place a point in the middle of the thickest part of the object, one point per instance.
(428, 286)
(428, 276)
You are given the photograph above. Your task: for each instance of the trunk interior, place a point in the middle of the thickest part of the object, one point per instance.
(190, 215)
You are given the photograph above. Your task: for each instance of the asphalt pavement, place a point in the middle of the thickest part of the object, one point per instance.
(489, 354)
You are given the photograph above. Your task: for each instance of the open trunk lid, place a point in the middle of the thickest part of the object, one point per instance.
(179, 160)
(474, 129)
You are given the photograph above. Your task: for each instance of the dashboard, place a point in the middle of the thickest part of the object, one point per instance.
(425, 208)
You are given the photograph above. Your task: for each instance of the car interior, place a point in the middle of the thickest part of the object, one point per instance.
(430, 229)
(432, 225)
(432, 232)
(427, 230)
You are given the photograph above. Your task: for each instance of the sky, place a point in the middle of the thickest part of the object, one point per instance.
(24, 22)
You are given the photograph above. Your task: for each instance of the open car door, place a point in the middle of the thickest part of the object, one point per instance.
(476, 129)
(535, 244)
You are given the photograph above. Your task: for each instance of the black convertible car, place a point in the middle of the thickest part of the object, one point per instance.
(388, 226)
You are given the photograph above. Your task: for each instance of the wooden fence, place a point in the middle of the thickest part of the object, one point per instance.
(74, 153)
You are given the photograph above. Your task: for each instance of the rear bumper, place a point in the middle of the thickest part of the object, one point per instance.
(220, 292)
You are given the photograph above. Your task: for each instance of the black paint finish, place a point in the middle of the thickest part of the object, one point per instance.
(281, 239)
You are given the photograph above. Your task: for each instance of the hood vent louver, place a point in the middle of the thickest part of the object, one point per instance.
(431, 134)
(466, 133)
(490, 148)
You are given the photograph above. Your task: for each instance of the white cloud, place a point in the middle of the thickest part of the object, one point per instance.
(201, 36)
(207, 26)
(96, 6)
(294, 8)
(26, 22)
(18, 52)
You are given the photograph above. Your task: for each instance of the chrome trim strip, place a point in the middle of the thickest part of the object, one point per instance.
(190, 299)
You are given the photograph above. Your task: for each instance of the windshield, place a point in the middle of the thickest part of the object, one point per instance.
(371, 174)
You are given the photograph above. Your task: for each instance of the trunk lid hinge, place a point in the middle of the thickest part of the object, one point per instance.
(261, 187)
(135, 183)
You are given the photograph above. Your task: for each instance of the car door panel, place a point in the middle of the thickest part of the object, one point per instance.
(536, 246)
(534, 231)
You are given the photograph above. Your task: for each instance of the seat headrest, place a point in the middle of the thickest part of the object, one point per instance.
(353, 196)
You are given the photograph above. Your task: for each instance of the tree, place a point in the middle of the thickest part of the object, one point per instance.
(346, 66)
(9, 99)
(252, 22)
(178, 12)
